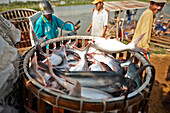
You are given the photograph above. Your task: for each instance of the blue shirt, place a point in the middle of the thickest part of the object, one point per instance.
(43, 27)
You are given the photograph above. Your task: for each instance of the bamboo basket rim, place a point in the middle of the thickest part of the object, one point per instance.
(24, 9)
(132, 95)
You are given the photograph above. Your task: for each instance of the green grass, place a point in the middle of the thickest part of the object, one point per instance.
(19, 5)
(34, 4)
(159, 50)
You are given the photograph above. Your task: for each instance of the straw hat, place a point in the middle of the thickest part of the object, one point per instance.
(159, 1)
(161, 16)
(97, 1)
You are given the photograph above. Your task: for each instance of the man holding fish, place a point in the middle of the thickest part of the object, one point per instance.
(145, 24)
(48, 24)
(99, 20)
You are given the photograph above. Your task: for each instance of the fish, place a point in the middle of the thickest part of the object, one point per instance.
(62, 52)
(115, 46)
(75, 89)
(99, 66)
(56, 59)
(109, 82)
(108, 60)
(127, 62)
(36, 40)
(39, 72)
(131, 72)
(82, 64)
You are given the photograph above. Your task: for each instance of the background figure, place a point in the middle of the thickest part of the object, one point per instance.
(48, 24)
(119, 27)
(145, 24)
(99, 19)
(129, 14)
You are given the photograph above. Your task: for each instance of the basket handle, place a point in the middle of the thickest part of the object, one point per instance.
(64, 24)
(130, 84)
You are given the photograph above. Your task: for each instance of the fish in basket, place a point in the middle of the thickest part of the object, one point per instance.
(93, 78)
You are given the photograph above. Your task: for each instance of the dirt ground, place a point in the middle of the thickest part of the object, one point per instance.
(160, 95)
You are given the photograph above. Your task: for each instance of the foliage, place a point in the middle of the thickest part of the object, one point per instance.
(34, 4)
(160, 51)
(19, 5)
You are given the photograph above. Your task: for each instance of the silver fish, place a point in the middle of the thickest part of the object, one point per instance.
(82, 64)
(115, 46)
(106, 81)
(78, 91)
(62, 52)
(108, 60)
(131, 72)
(99, 66)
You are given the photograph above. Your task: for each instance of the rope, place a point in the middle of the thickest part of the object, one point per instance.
(30, 80)
(140, 94)
(57, 100)
(127, 104)
(81, 105)
(104, 105)
(38, 92)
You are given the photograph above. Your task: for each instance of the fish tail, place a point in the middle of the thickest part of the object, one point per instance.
(76, 90)
(133, 45)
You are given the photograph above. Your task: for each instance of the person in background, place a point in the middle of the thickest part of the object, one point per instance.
(48, 24)
(120, 24)
(161, 18)
(129, 14)
(145, 24)
(99, 19)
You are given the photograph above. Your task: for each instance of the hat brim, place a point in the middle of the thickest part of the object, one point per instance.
(47, 12)
(95, 2)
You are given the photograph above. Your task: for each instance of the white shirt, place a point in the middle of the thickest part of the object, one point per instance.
(99, 20)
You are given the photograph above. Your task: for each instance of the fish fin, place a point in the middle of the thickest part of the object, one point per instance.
(36, 40)
(133, 45)
(127, 62)
(76, 90)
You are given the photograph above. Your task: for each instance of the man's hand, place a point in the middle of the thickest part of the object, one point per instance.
(77, 27)
(88, 30)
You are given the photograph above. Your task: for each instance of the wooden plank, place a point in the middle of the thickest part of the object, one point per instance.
(30, 99)
(161, 45)
(161, 41)
(162, 38)
(166, 37)
(41, 106)
(58, 110)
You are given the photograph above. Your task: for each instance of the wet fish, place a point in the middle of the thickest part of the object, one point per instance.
(82, 64)
(62, 52)
(106, 81)
(55, 59)
(131, 72)
(115, 46)
(91, 93)
(39, 71)
(99, 66)
(108, 60)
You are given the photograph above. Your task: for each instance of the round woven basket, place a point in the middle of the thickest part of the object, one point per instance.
(132, 102)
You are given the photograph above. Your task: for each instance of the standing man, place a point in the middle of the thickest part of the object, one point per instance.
(145, 24)
(99, 19)
(48, 24)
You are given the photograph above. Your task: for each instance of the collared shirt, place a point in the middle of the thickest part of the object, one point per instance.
(99, 20)
(43, 27)
(144, 26)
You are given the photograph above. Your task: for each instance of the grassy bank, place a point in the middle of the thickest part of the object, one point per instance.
(34, 4)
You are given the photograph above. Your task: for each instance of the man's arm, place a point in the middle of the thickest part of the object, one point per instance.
(88, 29)
(104, 31)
